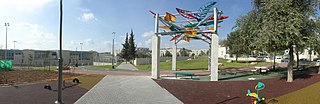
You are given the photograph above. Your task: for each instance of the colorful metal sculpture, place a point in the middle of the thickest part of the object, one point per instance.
(190, 30)
(205, 9)
(255, 96)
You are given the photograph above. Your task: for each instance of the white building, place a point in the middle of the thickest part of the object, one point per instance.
(164, 50)
(222, 52)
(201, 52)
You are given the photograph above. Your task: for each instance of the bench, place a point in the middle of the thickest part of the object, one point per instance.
(262, 70)
(184, 74)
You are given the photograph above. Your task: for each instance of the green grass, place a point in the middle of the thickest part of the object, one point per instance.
(200, 64)
(88, 81)
(307, 95)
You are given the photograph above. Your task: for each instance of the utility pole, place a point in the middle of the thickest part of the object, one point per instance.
(112, 60)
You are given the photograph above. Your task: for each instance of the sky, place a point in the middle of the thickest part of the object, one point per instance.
(34, 24)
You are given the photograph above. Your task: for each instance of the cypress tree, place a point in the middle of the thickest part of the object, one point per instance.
(125, 49)
(132, 47)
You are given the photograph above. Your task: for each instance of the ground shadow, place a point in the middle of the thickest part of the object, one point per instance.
(224, 101)
(298, 74)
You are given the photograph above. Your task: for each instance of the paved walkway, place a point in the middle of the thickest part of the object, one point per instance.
(128, 90)
(126, 66)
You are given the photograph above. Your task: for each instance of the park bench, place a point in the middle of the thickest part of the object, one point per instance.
(184, 74)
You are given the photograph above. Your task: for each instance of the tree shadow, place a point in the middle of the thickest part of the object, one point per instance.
(298, 74)
(224, 101)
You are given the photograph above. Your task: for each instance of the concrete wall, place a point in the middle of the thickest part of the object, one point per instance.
(145, 61)
(101, 63)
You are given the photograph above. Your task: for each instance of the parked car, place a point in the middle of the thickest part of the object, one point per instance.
(316, 59)
(262, 58)
(285, 60)
(304, 59)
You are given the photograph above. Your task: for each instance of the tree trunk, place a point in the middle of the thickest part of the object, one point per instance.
(319, 70)
(290, 66)
(297, 53)
(274, 61)
(236, 58)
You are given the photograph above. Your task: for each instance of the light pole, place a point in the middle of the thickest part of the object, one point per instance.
(112, 60)
(81, 54)
(6, 52)
(14, 49)
(59, 101)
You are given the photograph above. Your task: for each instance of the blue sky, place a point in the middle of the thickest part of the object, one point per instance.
(35, 23)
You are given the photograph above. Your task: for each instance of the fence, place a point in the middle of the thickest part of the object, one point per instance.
(5, 65)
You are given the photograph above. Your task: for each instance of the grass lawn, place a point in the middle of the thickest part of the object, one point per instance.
(200, 64)
(307, 95)
(88, 81)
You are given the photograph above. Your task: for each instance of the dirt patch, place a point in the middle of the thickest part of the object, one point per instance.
(232, 92)
(29, 76)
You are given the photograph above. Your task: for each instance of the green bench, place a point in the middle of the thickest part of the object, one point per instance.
(184, 74)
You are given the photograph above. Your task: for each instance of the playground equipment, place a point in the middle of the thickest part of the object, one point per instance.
(200, 25)
(74, 79)
(255, 96)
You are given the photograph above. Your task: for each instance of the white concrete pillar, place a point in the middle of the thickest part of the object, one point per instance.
(174, 56)
(214, 57)
(155, 73)
(209, 59)
(214, 49)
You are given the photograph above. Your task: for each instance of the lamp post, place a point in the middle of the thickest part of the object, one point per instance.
(81, 54)
(59, 101)
(6, 52)
(112, 60)
(14, 49)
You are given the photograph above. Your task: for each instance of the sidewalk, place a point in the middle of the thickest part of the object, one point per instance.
(127, 90)
(126, 66)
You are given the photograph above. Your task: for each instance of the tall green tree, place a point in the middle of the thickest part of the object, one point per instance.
(132, 47)
(125, 49)
(285, 24)
(235, 43)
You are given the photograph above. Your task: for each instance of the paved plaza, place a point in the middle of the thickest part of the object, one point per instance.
(128, 90)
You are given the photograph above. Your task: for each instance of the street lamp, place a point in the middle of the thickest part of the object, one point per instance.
(112, 60)
(81, 53)
(59, 101)
(14, 49)
(6, 52)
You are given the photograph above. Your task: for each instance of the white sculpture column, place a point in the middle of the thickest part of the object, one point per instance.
(209, 58)
(214, 49)
(174, 56)
(156, 51)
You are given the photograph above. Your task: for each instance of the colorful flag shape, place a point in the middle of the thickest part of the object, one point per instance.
(175, 37)
(170, 17)
(165, 27)
(185, 14)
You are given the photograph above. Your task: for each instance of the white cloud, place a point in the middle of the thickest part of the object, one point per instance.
(34, 37)
(87, 16)
(148, 43)
(89, 41)
(25, 5)
(147, 34)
